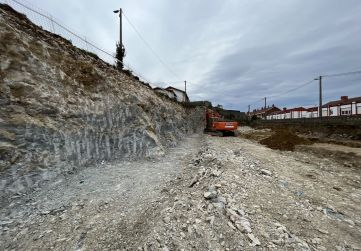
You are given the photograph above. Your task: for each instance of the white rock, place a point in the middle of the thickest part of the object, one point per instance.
(316, 241)
(349, 222)
(244, 225)
(231, 225)
(241, 212)
(216, 173)
(231, 212)
(210, 219)
(323, 231)
(266, 172)
(254, 240)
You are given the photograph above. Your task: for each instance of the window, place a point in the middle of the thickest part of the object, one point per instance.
(345, 111)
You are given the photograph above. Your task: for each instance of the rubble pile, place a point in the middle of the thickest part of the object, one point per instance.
(284, 140)
(208, 214)
(230, 200)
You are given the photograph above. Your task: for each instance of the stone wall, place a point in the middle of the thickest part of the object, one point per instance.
(62, 109)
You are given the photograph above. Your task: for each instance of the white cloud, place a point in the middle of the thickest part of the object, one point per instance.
(231, 52)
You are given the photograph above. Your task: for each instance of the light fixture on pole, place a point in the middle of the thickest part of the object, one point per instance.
(120, 53)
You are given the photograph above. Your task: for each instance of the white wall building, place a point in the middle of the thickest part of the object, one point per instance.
(173, 93)
(181, 96)
(294, 113)
(343, 107)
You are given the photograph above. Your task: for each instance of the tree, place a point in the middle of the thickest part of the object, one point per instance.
(119, 55)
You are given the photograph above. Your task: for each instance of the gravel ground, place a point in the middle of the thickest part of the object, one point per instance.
(89, 210)
(210, 193)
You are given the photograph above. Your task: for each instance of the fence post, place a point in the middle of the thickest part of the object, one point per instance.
(86, 44)
(52, 23)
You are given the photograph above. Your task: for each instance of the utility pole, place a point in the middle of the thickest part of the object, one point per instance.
(265, 102)
(320, 97)
(185, 90)
(249, 109)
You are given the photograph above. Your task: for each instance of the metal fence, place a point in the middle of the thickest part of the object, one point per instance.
(46, 21)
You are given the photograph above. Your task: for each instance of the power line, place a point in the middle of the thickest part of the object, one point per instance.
(175, 82)
(307, 83)
(150, 47)
(255, 102)
(342, 74)
(98, 48)
(286, 92)
(291, 90)
(80, 37)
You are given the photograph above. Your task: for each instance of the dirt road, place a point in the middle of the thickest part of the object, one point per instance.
(209, 193)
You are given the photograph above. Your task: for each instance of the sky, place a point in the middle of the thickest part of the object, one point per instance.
(231, 52)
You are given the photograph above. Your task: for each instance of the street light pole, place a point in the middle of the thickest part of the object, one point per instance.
(120, 51)
(120, 26)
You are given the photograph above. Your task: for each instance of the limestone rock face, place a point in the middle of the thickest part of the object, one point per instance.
(62, 108)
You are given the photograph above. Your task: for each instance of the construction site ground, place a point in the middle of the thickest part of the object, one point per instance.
(208, 193)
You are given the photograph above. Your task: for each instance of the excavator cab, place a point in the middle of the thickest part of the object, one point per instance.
(218, 126)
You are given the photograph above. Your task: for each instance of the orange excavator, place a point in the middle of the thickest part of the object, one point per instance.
(218, 126)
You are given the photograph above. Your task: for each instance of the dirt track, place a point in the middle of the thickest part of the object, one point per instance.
(209, 193)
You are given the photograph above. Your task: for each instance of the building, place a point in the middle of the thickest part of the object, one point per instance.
(294, 113)
(264, 112)
(181, 96)
(312, 112)
(173, 93)
(343, 107)
(169, 94)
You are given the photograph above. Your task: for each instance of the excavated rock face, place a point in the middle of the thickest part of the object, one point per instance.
(62, 108)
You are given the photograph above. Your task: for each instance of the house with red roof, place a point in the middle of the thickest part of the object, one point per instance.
(264, 111)
(343, 107)
(293, 113)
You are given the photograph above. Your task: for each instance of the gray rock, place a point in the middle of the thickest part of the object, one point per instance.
(222, 200)
(219, 205)
(210, 195)
(166, 219)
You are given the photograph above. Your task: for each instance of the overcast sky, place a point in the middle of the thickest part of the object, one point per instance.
(231, 52)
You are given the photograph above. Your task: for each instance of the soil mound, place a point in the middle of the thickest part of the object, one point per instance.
(284, 140)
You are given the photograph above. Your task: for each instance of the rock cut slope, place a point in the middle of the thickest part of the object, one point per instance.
(62, 108)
